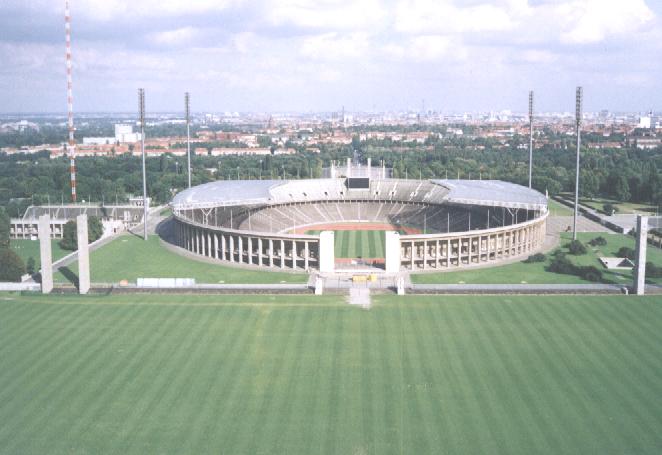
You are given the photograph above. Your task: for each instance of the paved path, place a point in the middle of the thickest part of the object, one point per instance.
(516, 289)
(359, 296)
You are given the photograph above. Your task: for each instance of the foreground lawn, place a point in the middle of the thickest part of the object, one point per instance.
(303, 375)
(520, 272)
(129, 258)
(558, 209)
(30, 248)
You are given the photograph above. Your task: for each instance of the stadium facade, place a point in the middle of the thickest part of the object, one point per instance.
(431, 224)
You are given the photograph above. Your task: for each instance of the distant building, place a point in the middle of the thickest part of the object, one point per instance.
(124, 133)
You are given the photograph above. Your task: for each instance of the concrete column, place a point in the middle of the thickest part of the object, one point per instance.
(282, 254)
(83, 255)
(249, 249)
(259, 251)
(349, 167)
(271, 252)
(46, 256)
(413, 253)
(306, 254)
(327, 258)
(425, 254)
(448, 253)
(640, 265)
(216, 234)
(223, 247)
(240, 249)
(231, 248)
(392, 251)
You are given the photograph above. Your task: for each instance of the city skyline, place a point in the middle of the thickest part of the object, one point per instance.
(301, 56)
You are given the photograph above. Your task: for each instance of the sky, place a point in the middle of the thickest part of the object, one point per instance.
(320, 55)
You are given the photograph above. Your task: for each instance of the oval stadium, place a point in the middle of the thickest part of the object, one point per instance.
(360, 220)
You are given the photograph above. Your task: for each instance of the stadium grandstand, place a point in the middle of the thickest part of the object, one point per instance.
(289, 224)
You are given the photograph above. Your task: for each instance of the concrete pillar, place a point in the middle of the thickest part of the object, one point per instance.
(223, 247)
(349, 167)
(640, 264)
(249, 249)
(231, 248)
(46, 256)
(259, 251)
(271, 252)
(240, 249)
(216, 234)
(425, 254)
(306, 254)
(392, 251)
(282, 254)
(83, 255)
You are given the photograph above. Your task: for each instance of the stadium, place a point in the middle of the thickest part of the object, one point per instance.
(318, 224)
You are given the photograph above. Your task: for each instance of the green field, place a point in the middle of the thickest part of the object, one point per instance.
(358, 244)
(302, 375)
(519, 272)
(129, 257)
(558, 209)
(30, 248)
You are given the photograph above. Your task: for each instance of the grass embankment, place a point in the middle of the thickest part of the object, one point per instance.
(30, 249)
(129, 257)
(301, 375)
(535, 273)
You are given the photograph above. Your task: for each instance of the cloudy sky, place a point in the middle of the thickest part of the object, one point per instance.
(317, 55)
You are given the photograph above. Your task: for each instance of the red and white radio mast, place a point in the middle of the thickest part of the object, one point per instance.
(71, 145)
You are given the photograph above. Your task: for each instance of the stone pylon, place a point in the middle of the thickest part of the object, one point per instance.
(640, 255)
(46, 255)
(83, 255)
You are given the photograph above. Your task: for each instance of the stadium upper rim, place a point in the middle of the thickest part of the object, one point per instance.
(242, 193)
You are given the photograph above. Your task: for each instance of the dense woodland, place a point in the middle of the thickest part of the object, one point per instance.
(624, 174)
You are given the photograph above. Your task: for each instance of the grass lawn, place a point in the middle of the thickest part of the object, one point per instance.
(129, 257)
(358, 244)
(312, 375)
(622, 207)
(30, 248)
(558, 209)
(520, 272)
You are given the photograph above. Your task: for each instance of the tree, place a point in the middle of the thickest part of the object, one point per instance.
(30, 265)
(622, 189)
(4, 228)
(11, 266)
(69, 236)
(94, 229)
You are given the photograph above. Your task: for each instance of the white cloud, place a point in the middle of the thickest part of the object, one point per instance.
(178, 37)
(443, 16)
(332, 46)
(591, 21)
(327, 14)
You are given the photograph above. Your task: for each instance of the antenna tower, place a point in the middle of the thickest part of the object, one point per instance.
(71, 145)
(530, 136)
(578, 121)
(141, 108)
(187, 108)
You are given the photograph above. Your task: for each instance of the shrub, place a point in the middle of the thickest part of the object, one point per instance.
(590, 273)
(626, 252)
(609, 208)
(11, 266)
(30, 265)
(577, 248)
(70, 235)
(653, 271)
(538, 257)
(598, 241)
(561, 264)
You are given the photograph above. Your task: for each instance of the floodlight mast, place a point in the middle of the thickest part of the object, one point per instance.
(578, 121)
(530, 136)
(71, 144)
(187, 108)
(141, 108)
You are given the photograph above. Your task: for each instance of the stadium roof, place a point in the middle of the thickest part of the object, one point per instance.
(491, 193)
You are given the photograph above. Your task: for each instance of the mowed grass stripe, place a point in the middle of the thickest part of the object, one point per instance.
(227, 395)
(63, 381)
(613, 349)
(372, 248)
(557, 389)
